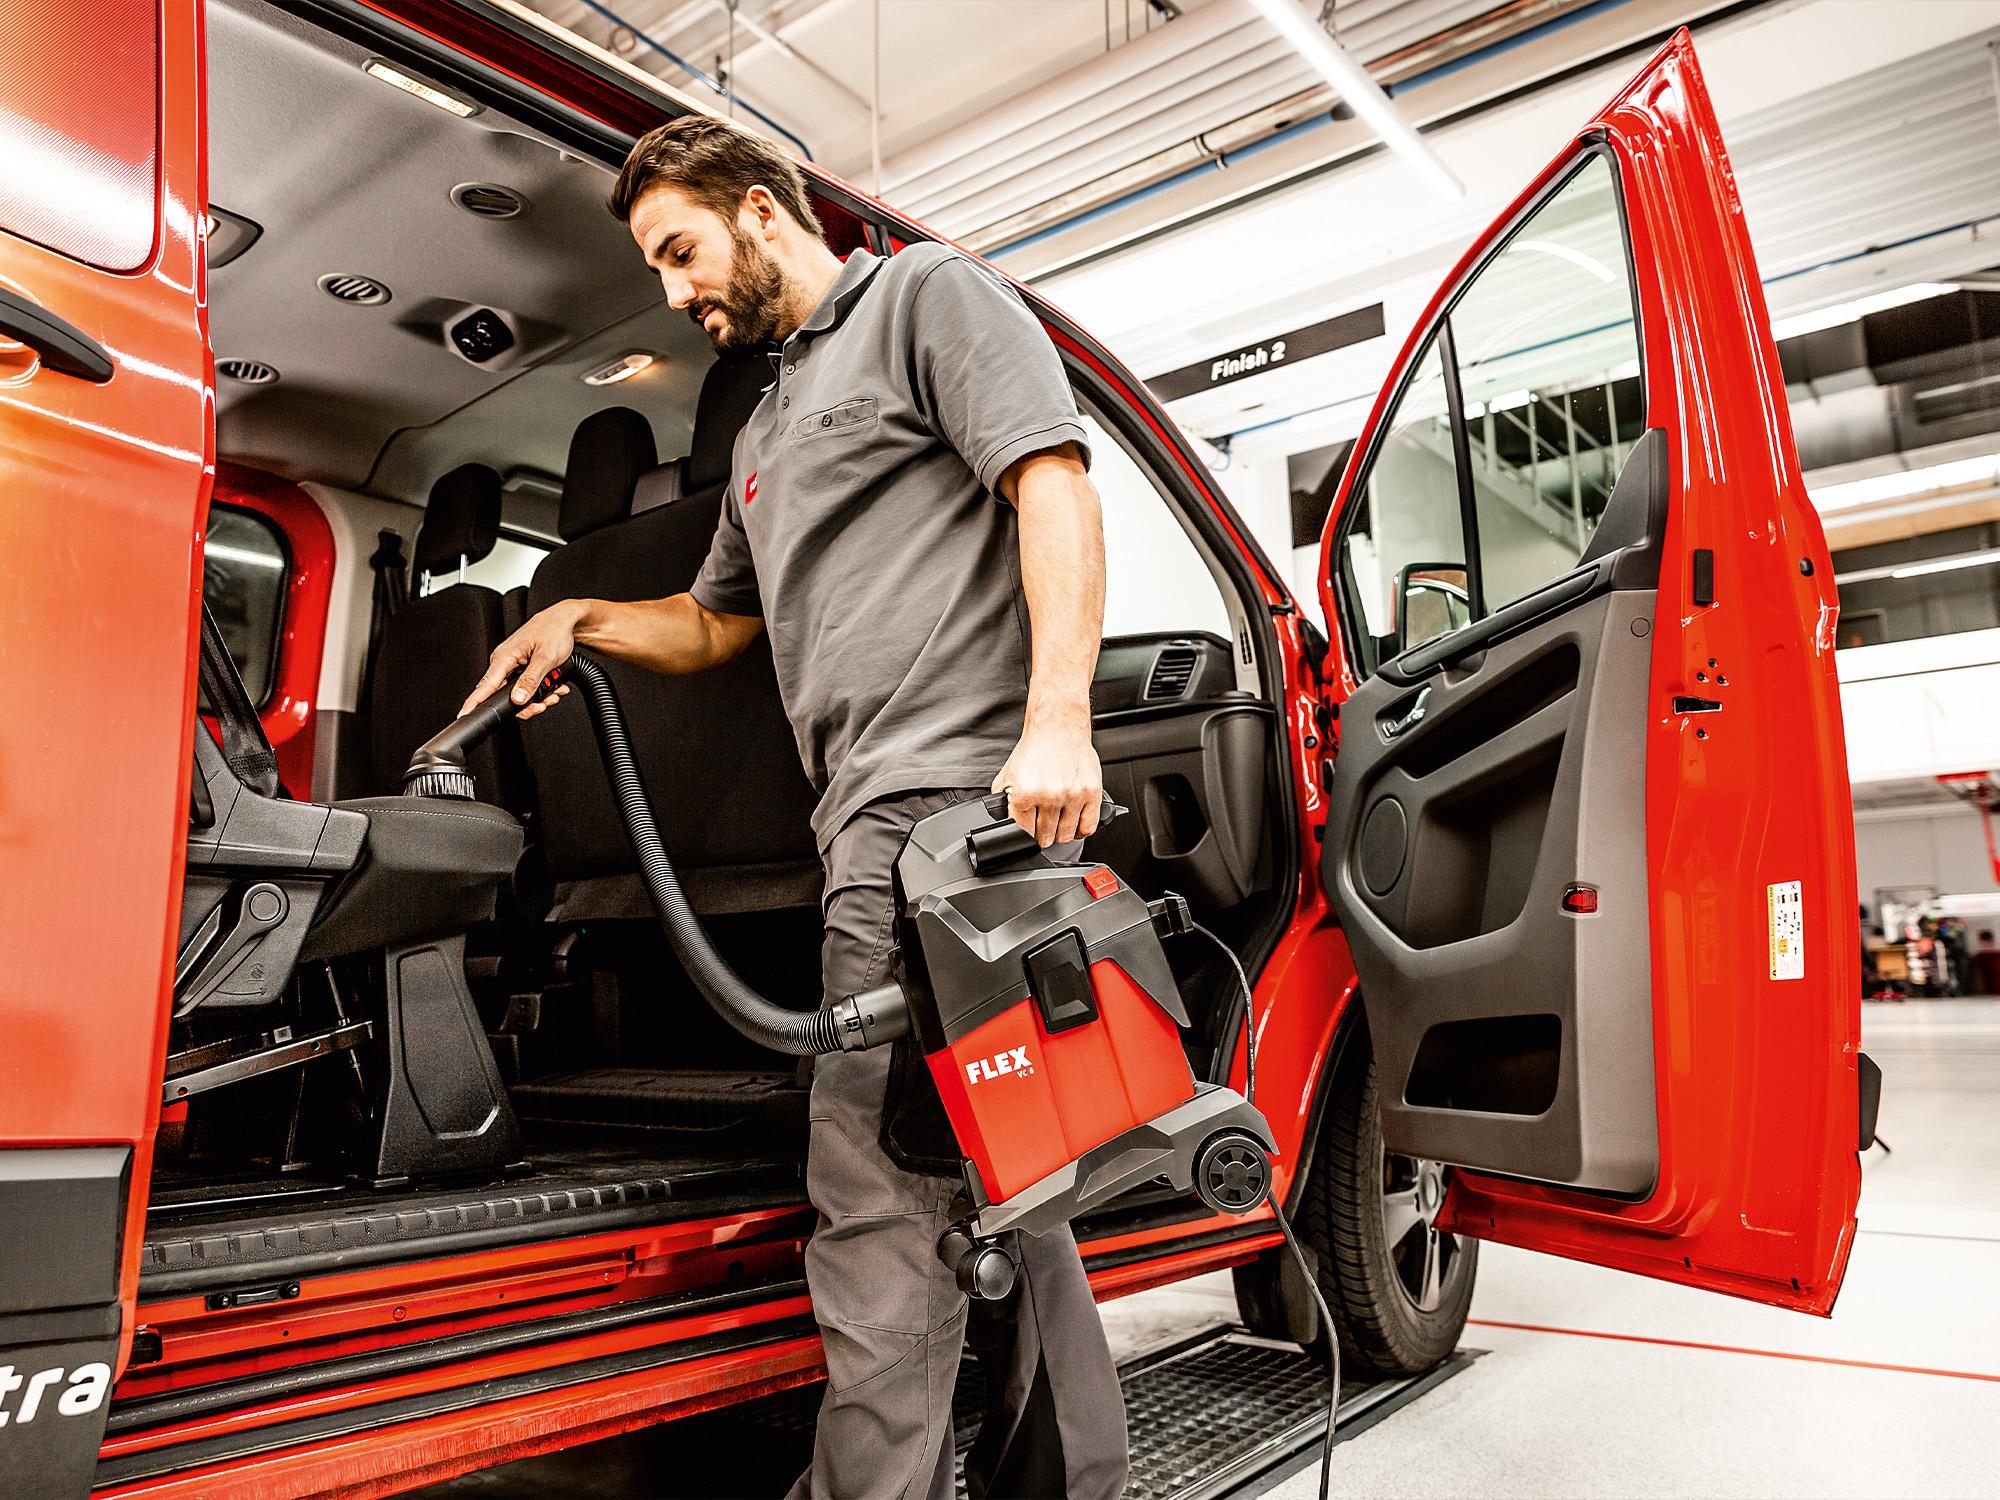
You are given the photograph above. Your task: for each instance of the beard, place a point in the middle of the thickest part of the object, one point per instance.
(752, 301)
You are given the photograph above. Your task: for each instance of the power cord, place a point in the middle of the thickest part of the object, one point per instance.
(1278, 1212)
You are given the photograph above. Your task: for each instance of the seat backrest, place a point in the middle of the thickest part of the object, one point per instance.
(435, 647)
(717, 753)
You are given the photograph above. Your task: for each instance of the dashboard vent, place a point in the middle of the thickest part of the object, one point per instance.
(488, 200)
(1173, 670)
(362, 291)
(249, 371)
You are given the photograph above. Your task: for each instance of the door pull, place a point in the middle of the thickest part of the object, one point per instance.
(1393, 728)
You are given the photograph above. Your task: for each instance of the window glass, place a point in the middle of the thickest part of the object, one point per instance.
(243, 577)
(1407, 536)
(1548, 357)
(511, 564)
(1155, 578)
(79, 125)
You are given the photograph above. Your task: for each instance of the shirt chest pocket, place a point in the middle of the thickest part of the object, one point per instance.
(847, 417)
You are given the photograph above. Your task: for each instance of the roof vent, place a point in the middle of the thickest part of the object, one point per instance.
(362, 291)
(489, 200)
(1173, 670)
(249, 371)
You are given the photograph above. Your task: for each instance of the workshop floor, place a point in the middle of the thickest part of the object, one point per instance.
(1601, 1384)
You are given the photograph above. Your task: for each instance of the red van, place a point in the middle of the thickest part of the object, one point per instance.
(341, 1151)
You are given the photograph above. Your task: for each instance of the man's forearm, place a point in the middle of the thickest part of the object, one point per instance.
(671, 636)
(1062, 573)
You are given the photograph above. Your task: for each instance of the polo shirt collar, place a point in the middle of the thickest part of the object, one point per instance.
(855, 274)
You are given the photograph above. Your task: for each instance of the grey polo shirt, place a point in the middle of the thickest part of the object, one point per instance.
(862, 525)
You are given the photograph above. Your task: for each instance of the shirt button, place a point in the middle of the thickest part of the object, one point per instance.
(784, 401)
(791, 369)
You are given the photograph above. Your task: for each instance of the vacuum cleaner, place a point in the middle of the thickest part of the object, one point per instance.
(1039, 994)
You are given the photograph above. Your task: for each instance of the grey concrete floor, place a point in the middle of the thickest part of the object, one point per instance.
(1617, 1403)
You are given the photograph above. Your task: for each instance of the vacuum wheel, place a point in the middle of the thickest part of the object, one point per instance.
(1232, 1172)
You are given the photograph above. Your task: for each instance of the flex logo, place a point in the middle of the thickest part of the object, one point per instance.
(750, 488)
(1013, 1060)
(82, 1393)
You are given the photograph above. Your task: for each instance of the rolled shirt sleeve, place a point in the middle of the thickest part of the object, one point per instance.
(987, 372)
(727, 582)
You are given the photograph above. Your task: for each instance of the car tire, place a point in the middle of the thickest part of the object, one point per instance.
(1391, 1320)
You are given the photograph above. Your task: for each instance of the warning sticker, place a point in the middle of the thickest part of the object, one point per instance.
(1787, 915)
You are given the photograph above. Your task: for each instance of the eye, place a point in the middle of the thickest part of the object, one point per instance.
(682, 257)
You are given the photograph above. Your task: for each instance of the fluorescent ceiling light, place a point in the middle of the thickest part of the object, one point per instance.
(376, 68)
(1962, 473)
(1948, 564)
(1337, 66)
(226, 553)
(1859, 308)
(1569, 253)
(622, 368)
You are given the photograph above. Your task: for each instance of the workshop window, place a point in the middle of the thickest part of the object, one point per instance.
(1155, 579)
(244, 571)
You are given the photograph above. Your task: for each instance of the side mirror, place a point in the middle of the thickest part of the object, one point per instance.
(1432, 599)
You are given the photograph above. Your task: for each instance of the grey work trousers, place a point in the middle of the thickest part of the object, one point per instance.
(891, 1317)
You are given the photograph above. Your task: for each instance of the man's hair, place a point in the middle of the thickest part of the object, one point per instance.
(715, 162)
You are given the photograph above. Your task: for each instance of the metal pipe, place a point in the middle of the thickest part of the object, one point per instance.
(1219, 160)
(695, 73)
(1171, 94)
(775, 40)
(977, 204)
(1108, 70)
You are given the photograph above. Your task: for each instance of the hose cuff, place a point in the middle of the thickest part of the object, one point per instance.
(871, 1017)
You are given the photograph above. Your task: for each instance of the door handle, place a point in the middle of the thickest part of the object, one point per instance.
(1391, 728)
(63, 346)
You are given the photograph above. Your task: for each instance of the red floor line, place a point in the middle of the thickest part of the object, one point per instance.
(1811, 1359)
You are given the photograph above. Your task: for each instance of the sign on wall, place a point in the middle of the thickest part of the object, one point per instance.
(1324, 337)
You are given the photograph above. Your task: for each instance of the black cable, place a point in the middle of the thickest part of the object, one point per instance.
(1278, 1212)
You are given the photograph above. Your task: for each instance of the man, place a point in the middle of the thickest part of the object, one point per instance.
(909, 516)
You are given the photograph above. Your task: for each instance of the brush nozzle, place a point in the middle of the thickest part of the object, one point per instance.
(440, 784)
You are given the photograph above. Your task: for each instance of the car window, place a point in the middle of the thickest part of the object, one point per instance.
(1501, 452)
(1407, 525)
(1548, 364)
(243, 575)
(1155, 580)
(79, 128)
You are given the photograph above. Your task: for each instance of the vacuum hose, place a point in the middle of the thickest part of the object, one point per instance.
(848, 1025)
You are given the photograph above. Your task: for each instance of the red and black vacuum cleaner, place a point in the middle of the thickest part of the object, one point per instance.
(1039, 994)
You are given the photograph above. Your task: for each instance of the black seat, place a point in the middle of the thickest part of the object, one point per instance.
(436, 646)
(717, 753)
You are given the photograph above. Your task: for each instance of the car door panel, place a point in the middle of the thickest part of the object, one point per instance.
(1561, 839)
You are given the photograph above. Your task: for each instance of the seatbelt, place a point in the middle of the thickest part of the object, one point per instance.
(391, 590)
(244, 745)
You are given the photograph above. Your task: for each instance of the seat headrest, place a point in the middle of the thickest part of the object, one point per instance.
(609, 452)
(729, 393)
(461, 520)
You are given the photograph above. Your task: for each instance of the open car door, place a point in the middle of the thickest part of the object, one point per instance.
(1589, 833)
(105, 453)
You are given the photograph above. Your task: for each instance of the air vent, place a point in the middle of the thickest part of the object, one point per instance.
(249, 371)
(489, 200)
(362, 291)
(1173, 670)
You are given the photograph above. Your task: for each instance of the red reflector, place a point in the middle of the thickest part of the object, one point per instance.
(1100, 882)
(1580, 900)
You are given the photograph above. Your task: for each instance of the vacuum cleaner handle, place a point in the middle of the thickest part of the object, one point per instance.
(444, 753)
(1001, 844)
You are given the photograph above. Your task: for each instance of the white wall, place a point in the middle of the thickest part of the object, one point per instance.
(1942, 848)
(1922, 708)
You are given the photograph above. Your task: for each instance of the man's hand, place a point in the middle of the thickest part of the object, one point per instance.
(543, 644)
(1054, 784)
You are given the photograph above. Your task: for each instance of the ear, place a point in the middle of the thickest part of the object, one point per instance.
(762, 208)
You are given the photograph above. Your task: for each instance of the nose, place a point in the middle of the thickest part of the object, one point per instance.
(680, 291)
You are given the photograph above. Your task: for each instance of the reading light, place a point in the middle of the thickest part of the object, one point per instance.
(622, 368)
(376, 68)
